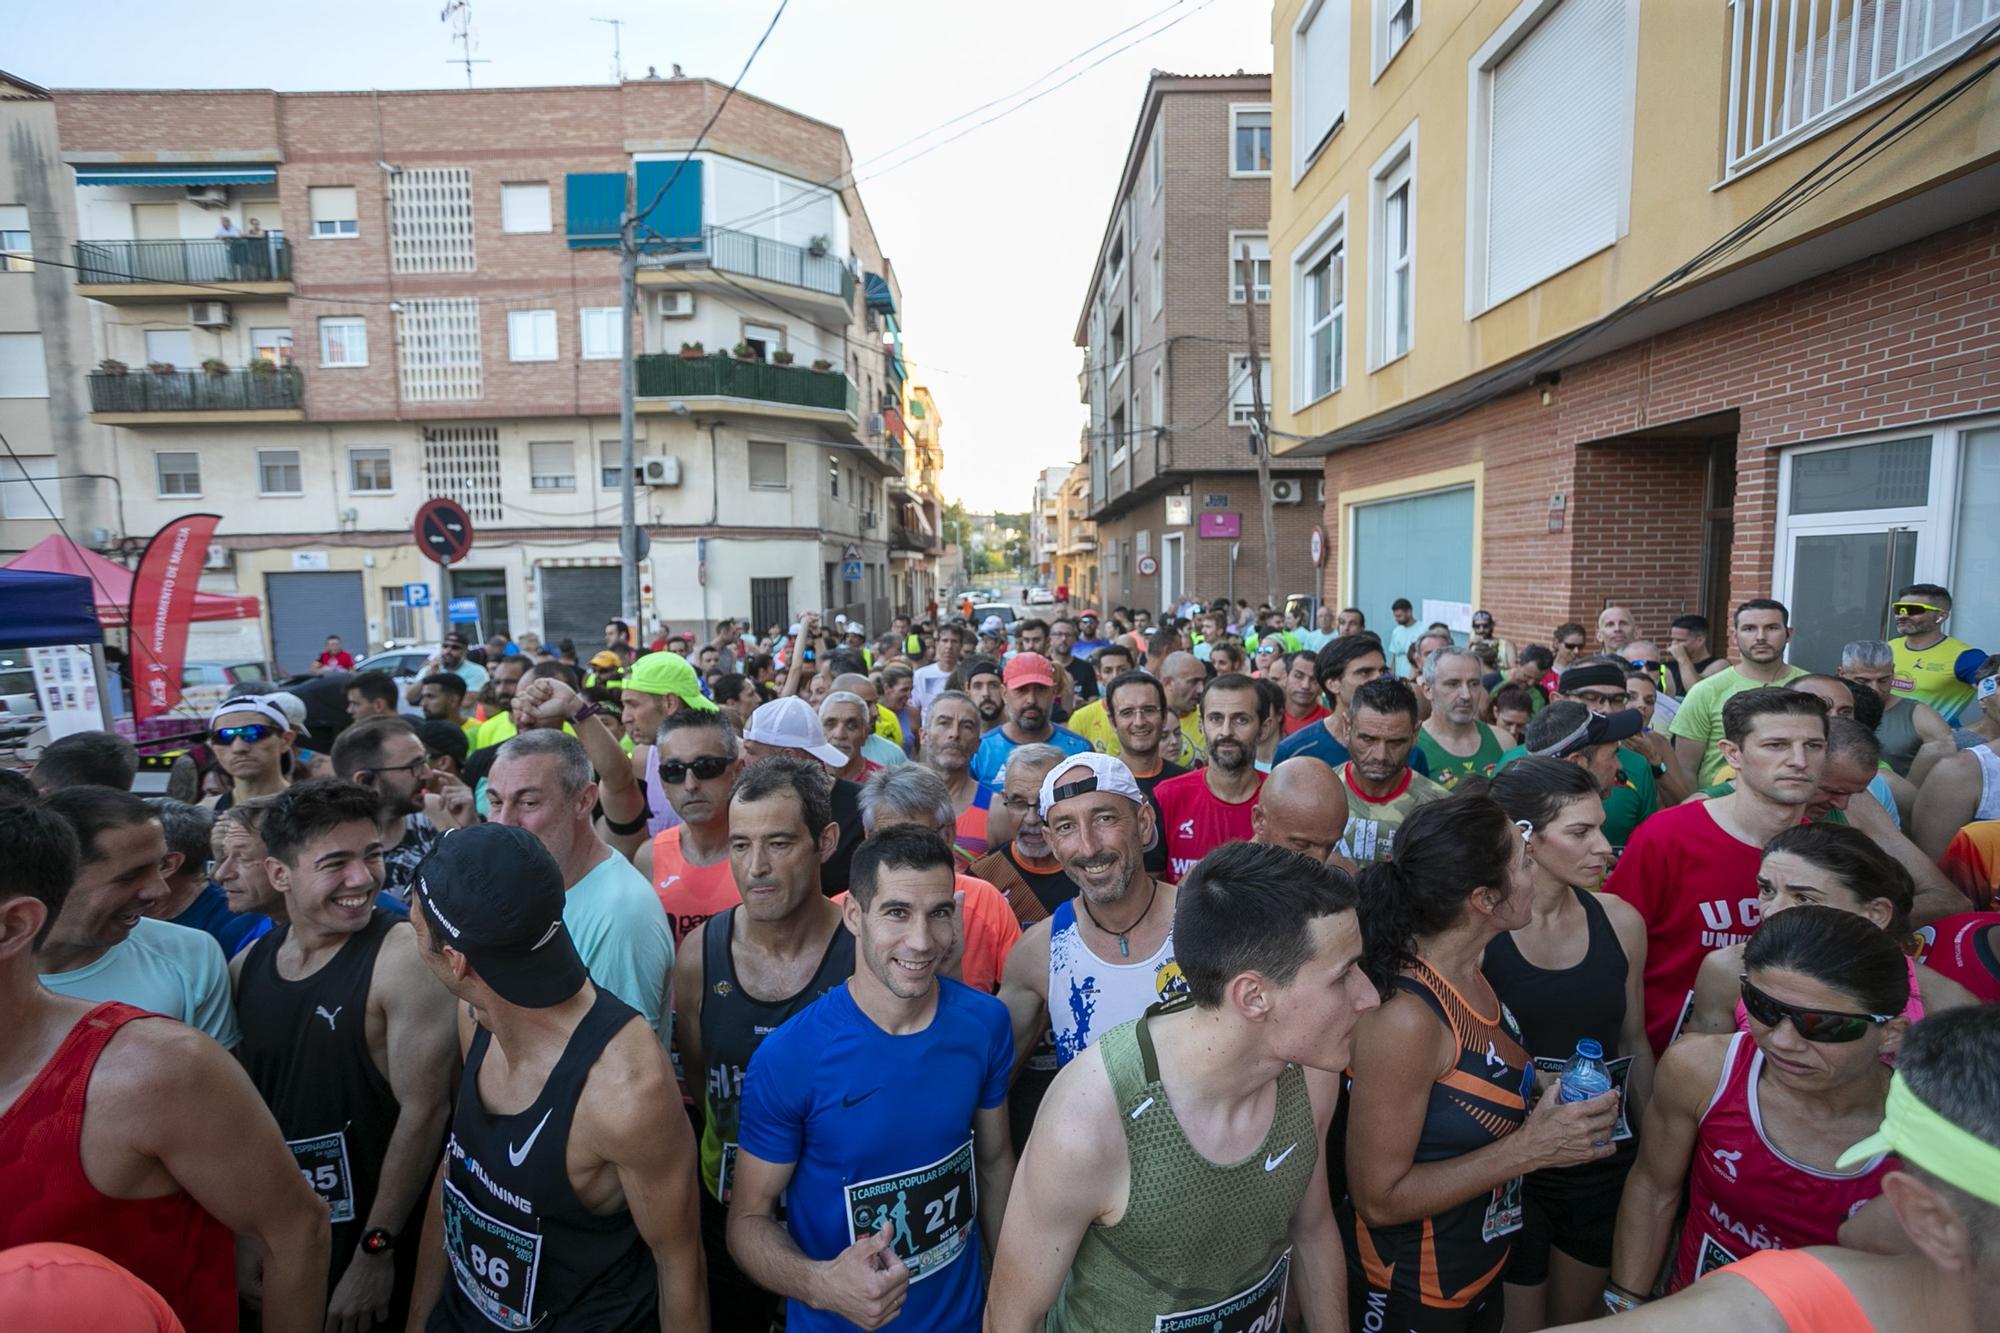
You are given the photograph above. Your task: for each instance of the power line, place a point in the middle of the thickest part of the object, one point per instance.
(661, 193)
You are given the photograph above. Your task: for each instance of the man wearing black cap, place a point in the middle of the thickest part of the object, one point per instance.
(1598, 685)
(567, 1190)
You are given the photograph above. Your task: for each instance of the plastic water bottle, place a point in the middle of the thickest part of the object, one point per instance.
(1584, 1076)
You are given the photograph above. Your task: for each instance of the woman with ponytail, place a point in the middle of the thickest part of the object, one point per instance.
(1439, 1128)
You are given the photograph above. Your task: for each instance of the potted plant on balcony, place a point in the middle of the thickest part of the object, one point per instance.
(263, 365)
(216, 366)
(818, 246)
(745, 352)
(113, 366)
(781, 357)
(823, 366)
(693, 351)
(161, 367)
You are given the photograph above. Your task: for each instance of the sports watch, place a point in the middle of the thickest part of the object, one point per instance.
(377, 1240)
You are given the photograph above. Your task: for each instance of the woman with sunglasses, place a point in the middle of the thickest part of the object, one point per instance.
(1753, 1124)
(1834, 866)
(1439, 1133)
(1572, 973)
(250, 737)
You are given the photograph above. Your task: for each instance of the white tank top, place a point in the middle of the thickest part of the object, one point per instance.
(1088, 996)
(1989, 783)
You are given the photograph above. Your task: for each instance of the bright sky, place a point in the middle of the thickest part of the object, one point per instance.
(992, 235)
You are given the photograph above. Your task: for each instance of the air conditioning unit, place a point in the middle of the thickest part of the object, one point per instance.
(208, 314)
(1285, 491)
(662, 471)
(208, 196)
(218, 557)
(673, 305)
(875, 424)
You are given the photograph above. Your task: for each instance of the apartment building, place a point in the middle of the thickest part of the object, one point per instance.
(1586, 301)
(310, 312)
(1044, 516)
(916, 523)
(1076, 540)
(1166, 330)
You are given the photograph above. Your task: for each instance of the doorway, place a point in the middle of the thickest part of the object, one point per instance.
(488, 588)
(1173, 569)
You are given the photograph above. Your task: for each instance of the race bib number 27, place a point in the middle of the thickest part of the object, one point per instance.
(930, 1211)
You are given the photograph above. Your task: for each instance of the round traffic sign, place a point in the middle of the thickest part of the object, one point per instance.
(443, 530)
(1148, 566)
(1318, 547)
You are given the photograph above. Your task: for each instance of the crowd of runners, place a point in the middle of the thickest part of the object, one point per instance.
(1214, 970)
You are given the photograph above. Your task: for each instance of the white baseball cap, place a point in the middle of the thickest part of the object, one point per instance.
(1106, 774)
(791, 724)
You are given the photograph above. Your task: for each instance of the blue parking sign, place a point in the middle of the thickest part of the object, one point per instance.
(462, 610)
(416, 594)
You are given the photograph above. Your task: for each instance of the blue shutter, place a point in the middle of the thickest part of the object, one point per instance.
(1415, 546)
(593, 203)
(675, 222)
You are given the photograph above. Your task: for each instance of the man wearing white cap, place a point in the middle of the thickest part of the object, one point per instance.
(249, 735)
(790, 726)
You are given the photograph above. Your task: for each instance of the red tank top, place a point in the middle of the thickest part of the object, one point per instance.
(1745, 1195)
(171, 1243)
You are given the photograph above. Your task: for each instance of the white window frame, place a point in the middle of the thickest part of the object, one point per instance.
(337, 229)
(160, 474)
(536, 323)
(1331, 232)
(34, 502)
(374, 453)
(1382, 41)
(29, 384)
(1235, 288)
(1305, 152)
(784, 456)
(604, 315)
(523, 190)
(298, 461)
(1159, 293)
(17, 242)
(351, 323)
(1479, 133)
(1236, 110)
(1395, 170)
(1116, 368)
(1243, 413)
(567, 479)
(1156, 157)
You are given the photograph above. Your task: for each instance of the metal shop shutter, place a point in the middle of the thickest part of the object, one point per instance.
(576, 601)
(305, 608)
(1416, 546)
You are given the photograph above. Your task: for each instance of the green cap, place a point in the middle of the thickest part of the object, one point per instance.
(668, 673)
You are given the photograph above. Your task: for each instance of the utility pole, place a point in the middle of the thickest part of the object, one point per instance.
(628, 496)
(1260, 440)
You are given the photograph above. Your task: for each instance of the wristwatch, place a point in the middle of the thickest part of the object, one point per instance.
(591, 708)
(377, 1240)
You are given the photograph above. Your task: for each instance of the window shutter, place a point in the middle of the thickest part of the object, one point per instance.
(677, 217)
(1319, 83)
(331, 203)
(1559, 111)
(592, 203)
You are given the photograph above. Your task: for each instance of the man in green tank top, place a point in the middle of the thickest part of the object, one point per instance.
(1174, 1179)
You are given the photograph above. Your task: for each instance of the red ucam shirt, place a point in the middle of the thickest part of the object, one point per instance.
(1194, 821)
(1695, 886)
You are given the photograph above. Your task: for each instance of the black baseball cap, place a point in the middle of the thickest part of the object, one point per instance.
(496, 895)
(1596, 729)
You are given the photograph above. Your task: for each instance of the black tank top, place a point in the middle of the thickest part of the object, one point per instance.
(305, 1046)
(523, 1250)
(734, 1024)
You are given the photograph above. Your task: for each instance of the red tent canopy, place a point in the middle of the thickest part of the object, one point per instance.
(111, 584)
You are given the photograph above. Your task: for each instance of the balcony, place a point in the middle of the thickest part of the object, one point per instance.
(123, 271)
(787, 269)
(902, 538)
(723, 383)
(132, 398)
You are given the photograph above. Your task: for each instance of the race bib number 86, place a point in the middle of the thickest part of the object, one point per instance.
(495, 1264)
(930, 1211)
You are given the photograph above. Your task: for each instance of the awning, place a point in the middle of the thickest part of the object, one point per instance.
(176, 175)
(923, 520)
(45, 608)
(879, 296)
(111, 584)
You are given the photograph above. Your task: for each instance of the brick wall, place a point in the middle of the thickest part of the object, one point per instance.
(1208, 573)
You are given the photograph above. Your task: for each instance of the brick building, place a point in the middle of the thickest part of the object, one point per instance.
(1171, 477)
(1523, 397)
(316, 310)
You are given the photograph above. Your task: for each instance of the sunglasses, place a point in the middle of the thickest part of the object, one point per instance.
(1913, 608)
(1828, 1026)
(707, 768)
(249, 733)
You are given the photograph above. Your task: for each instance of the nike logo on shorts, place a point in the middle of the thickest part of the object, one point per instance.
(516, 1158)
(851, 1102)
(1273, 1163)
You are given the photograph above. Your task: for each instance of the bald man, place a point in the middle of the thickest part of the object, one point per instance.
(1302, 807)
(1615, 629)
(1183, 675)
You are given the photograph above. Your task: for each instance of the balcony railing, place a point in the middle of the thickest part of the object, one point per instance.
(1797, 66)
(904, 538)
(774, 261)
(196, 391)
(247, 259)
(719, 376)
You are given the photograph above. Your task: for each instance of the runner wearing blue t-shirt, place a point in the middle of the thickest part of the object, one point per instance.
(883, 1200)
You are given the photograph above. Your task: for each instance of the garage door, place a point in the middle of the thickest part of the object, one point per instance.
(575, 604)
(305, 608)
(1414, 546)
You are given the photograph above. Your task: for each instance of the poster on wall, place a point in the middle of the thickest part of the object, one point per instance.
(1457, 615)
(66, 685)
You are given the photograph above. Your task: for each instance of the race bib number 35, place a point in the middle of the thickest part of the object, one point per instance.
(930, 1210)
(323, 1162)
(495, 1264)
(1260, 1309)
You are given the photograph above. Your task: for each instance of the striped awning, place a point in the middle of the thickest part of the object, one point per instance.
(176, 175)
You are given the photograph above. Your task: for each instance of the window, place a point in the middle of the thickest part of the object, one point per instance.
(1320, 300)
(763, 339)
(1249, 140)
(1242, 406)
(29, 489)
(1159, 393)
(552, 466)
(1552, 113)
(430, 220)
(1394, 21)
(768, 466)
(1157, 158)
(1260, 265)
(1118, 345)
(438, 350)
(1117, 434)
(531, 335)
(1159, 285)
(463, 462)
(23, 372)
(16, 247)
(343, 341)
(170, 347)
(602, 332)
(333, 210)
(609, 455)
(524, 207)
(1319, 79)
(368, 471)
(1114, 264)
(278, 472)
(833, 476)
(1391, 262)
(402, 624)
(178, 472)
(273, 345)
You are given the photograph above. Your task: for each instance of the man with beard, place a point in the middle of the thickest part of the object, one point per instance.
(498, 700)
(1342, 667)
(1763, 628)
(450, 658)
(1453, 739)
(688, 864)
(980, 677)
(743, 972)
(1302, 807)
(1031, 692)
(1062, 652)
(1382, 788)
(441, 698)
(1088, 641)
(386, 756)
(1207, 808)
(1024, 866)
(951, 736)
(1138, 704)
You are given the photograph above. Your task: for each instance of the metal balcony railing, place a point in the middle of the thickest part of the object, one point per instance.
(751, 256)
(196, 391)
(720, 376)
(1797, 66)
(244, 259)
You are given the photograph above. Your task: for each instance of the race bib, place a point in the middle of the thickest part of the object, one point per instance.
(1712, 1257)
(725, 1173)
(1503, 1211)
(931, 1211)
(1259, 1309)
(323, 1162)
(1687, 1010)
(495, 1264)
(1620, 1068)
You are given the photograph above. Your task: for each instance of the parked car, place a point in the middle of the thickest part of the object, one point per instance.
(1005, 610)
(403, 663)
(206, 684)
(1041, 597)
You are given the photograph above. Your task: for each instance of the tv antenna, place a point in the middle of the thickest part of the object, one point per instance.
(617, 46)
(458, 13)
